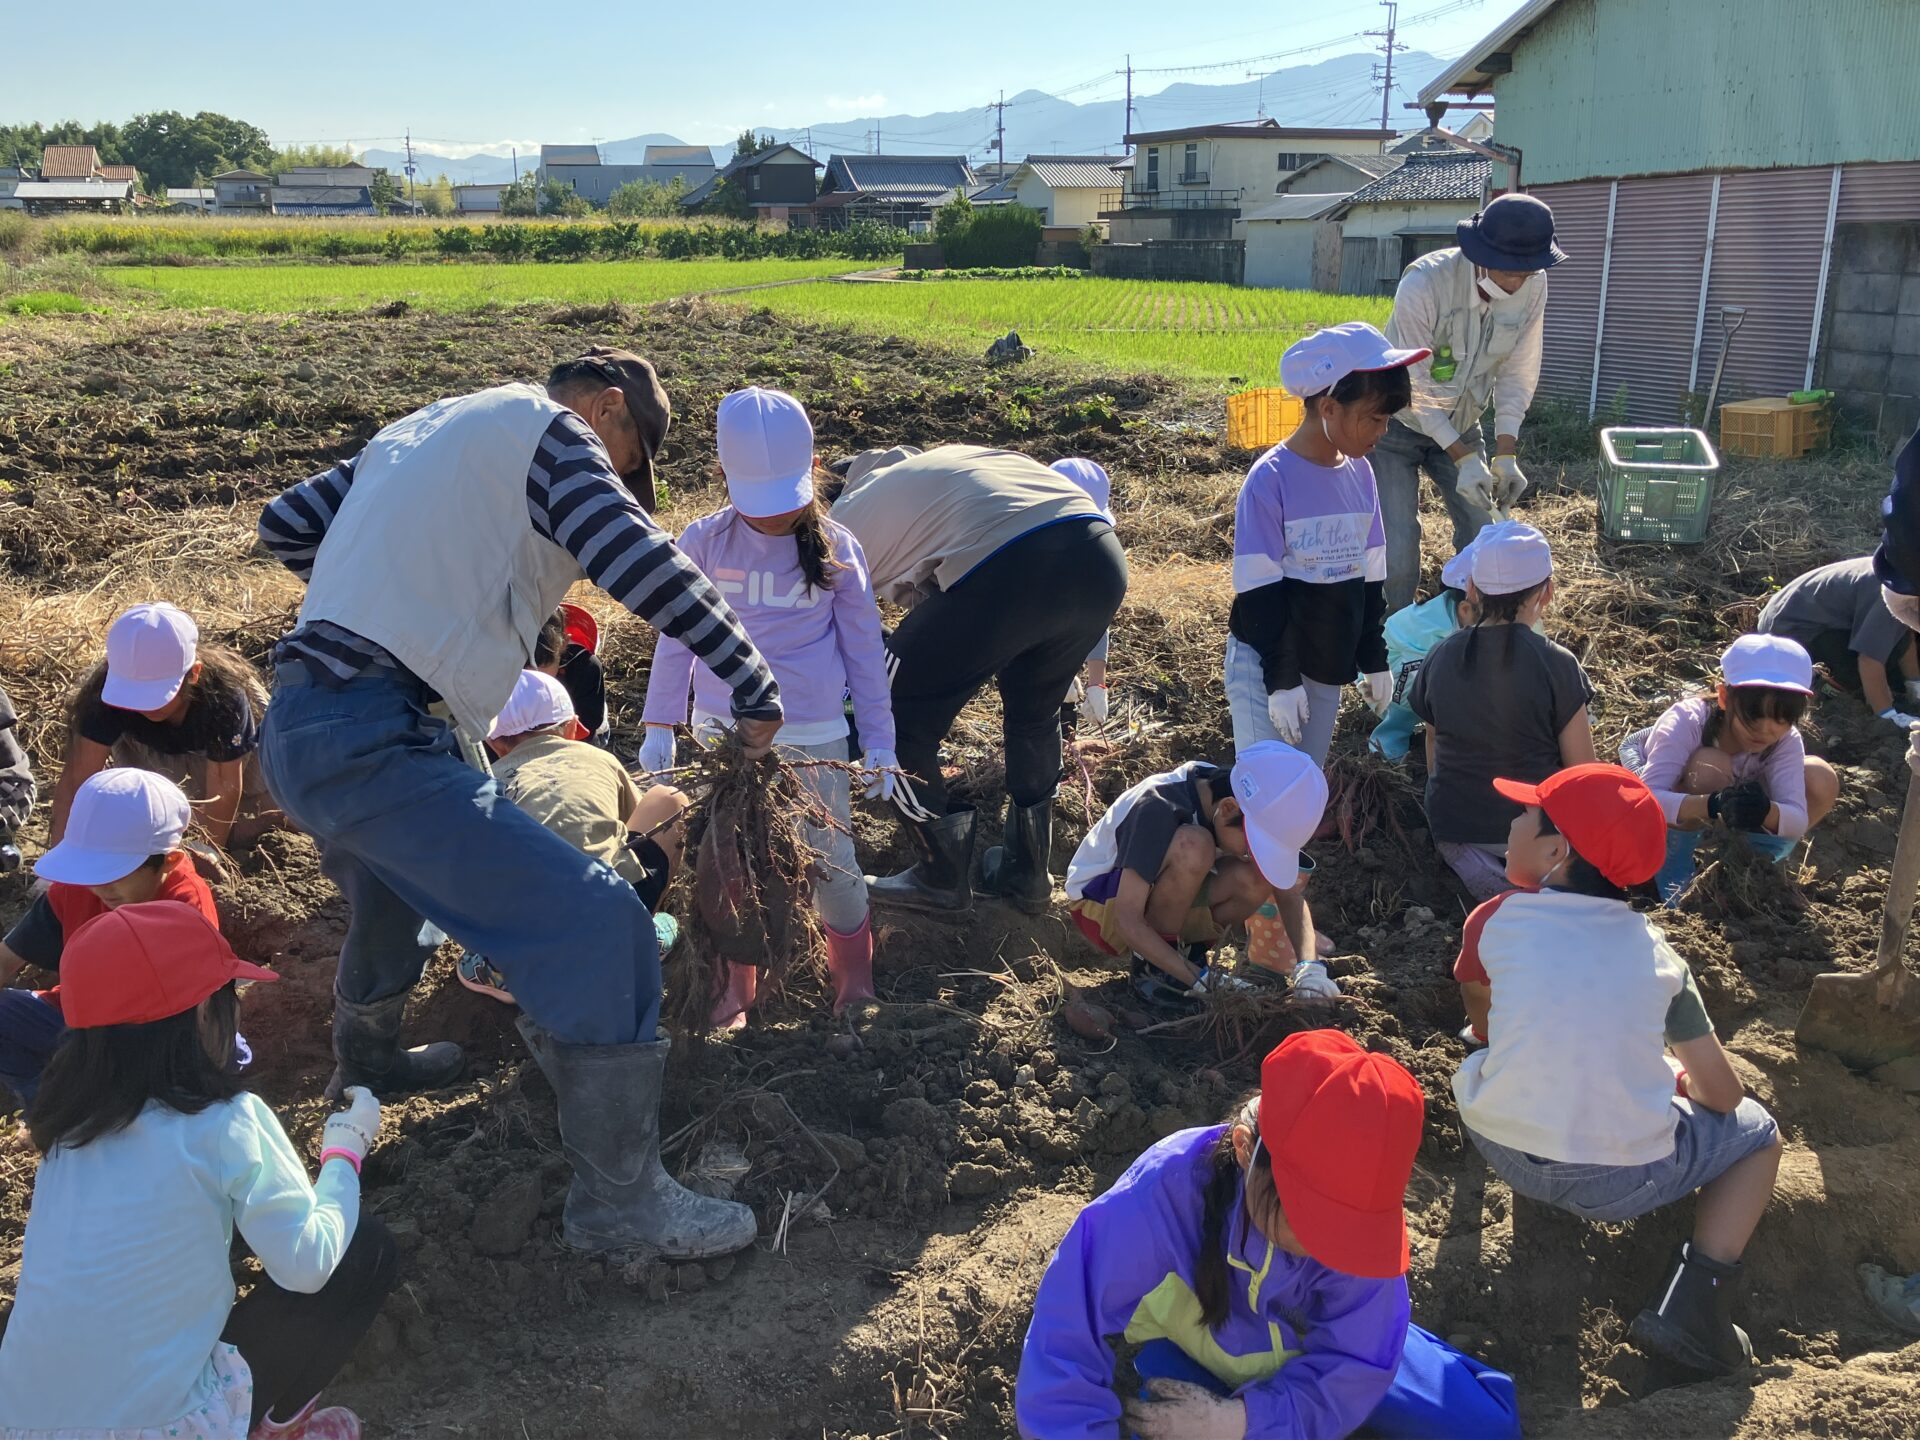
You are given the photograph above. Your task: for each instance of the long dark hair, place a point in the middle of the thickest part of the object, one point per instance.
(1504, 610)
(1224, 1178)
(225, 681)
(1580, 877)
(1751, 704)
(101, 1078)
(817, 563)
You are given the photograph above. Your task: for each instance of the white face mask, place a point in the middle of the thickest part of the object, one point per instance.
(1492, 291)
(1905, 608)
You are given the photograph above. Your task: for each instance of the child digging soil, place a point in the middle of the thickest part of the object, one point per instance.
(1574, 1102)
(124, 1326)
(1736, 759)
(1260, 1267)
(798, 582)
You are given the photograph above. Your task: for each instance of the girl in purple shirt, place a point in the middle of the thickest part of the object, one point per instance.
(1735, 758)
(799, 583)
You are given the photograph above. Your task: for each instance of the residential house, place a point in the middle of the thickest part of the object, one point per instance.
(70, 162)
(65, 197)
(193, 197)
(478, 199)
(10, 177)
(1070, 191)
(1678, 201)
(898, 190)
(1406, 213)
(307, 177)
(582, 170)
(1339, 174)
(1291, 242)
(776, 182)
(322, 200)
(691, 165)
(1479, 129)
(241, 192)
(120, 174)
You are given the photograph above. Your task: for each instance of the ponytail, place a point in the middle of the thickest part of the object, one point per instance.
(1210, 1279)
(817, 562)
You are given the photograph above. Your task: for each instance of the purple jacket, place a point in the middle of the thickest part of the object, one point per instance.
(822, 645)
(1309, 1350)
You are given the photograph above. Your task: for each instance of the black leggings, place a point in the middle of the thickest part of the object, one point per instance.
(295, 1344)
(1026, 618)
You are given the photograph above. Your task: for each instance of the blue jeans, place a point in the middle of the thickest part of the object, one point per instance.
(409, 831)
(1397, 462)
(30, 1029)
(1246, 687)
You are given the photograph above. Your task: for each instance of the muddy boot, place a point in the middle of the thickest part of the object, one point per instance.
(939, 881)
(850, 963)
(621, 1196)
(1692, 1323)
(1016, 869)
(366, 1051)
(730, 1010)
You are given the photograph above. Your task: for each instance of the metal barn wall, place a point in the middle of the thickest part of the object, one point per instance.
(1573, 287)
(1605, 88)
(1653, 291)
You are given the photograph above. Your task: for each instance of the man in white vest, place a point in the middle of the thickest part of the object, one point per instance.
(431, 561)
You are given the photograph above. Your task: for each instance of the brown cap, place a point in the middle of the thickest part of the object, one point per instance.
(646, 398)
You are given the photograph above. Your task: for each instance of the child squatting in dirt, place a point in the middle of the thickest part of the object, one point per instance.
(1574, 1101)
(1181, 857)
(1260, 1267)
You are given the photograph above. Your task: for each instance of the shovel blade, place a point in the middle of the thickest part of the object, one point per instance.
(1844, 1015)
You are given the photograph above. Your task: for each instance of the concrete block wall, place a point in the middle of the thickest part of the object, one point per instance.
(1870, 356)
(1218, 262)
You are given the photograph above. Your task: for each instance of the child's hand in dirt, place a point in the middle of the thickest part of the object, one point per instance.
(1181, 1410)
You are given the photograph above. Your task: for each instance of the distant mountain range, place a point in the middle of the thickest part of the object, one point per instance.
(1338, 93)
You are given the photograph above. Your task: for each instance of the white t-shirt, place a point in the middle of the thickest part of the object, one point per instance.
(124, 1282)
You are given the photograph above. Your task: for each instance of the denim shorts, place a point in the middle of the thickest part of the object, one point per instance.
(1706, 1144)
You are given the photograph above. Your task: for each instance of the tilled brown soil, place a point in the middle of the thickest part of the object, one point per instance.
(912, 1176)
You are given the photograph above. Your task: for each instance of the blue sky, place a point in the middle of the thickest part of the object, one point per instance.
(486, 75)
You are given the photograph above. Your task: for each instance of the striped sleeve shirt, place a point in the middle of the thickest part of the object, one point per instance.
(575, 500)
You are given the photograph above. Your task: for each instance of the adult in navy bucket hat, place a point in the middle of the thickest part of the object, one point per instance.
(1480, 307)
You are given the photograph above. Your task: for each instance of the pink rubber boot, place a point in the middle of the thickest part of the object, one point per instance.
(730, 1010)
(850, 962)
(336, 1422)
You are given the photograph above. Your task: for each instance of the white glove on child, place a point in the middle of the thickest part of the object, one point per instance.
(1093, 705)
(882, 781)
(1477, 484)
(1913, 750)
(1181, 1410)
(354, 1128)
(1512, 483)
(1287, 709)
(1217, 982)
(1379, 685)
(1311, 981)
(656, 751)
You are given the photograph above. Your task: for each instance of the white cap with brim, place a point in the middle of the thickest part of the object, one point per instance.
(1326, 357)
(1509, 557)
(150, 649)
(1772, 661)
(1282, 796)
(1091, 476)
(766, 450)
(538, 702)
(119, 819)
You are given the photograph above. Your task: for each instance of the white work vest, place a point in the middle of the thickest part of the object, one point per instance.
(1575, 1069)
(433, 555)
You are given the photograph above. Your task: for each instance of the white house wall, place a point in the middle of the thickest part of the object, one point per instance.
(1250, 166)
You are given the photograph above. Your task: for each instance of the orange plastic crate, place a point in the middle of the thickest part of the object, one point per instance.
(1259, 418)
(1773, 427)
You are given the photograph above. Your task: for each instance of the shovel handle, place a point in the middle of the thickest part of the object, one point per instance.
(1902, 885)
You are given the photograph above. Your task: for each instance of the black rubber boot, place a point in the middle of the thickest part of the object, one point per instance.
(1691, 1324)
(1016, 869)
(940, 881)
(366, 1051)
(621, 1196)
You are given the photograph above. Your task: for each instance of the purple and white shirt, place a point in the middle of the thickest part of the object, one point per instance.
(1296, 520)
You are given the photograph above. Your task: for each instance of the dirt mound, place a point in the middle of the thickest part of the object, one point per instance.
(913, 1175)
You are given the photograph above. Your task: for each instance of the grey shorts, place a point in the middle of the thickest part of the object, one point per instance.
(1706, 1144)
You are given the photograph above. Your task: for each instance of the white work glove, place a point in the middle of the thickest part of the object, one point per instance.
(882, 778)
(656, 751)
(354, 1128)
(1311, 981)
(1093, 705)
(1182, 1410)
(1217, 982)
(1379, 688)
(1900, 718)
(1913, 750)
(1477, 484)
(1287, 709)
(1512, 483)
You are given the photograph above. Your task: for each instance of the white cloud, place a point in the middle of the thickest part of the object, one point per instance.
(854, 105)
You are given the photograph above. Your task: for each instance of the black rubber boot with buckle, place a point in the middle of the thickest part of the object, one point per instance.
(1015, 870)
(940, 881)
(366, 1051)
(1692, 1322)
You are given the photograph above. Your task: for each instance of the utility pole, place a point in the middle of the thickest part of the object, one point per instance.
(409, 166)
(1386, 92)
(1000, 130)
(1129, 129)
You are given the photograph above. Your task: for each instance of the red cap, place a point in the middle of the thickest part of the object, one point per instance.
(582, 629)
(1608, 815)
(1342, 1125)
(142, 963)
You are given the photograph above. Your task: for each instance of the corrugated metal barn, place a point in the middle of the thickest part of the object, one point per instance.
(1744, 155)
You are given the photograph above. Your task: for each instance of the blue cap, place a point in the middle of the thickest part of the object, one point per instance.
(1897, 560)
(1514, 232)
